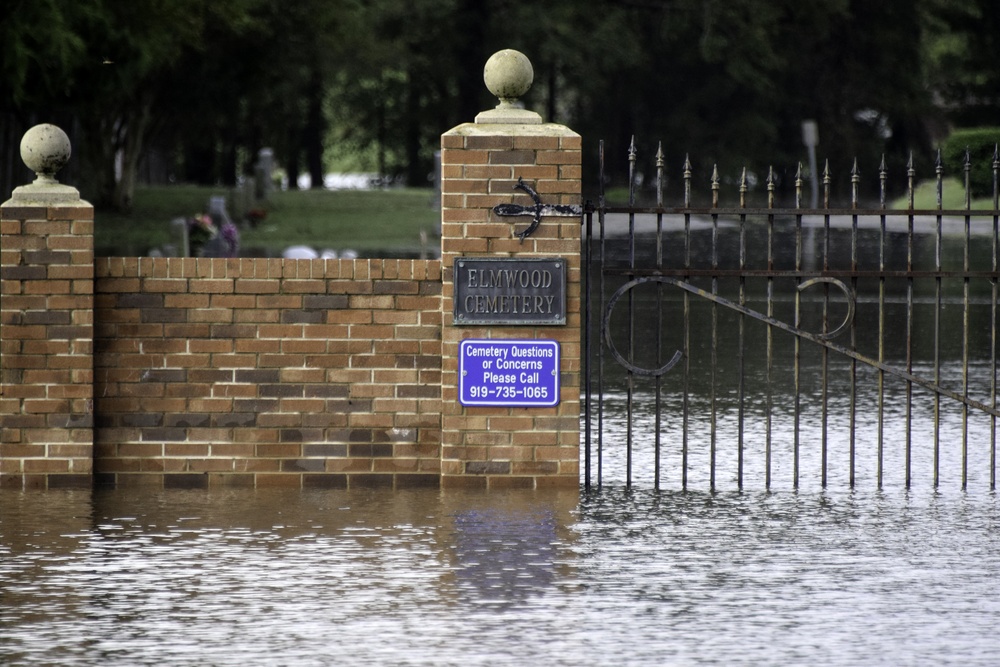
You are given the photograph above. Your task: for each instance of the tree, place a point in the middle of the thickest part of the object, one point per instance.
(38, 49)
(212, 81)
(961, 52)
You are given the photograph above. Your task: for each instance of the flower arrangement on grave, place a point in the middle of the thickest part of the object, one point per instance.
(230, 239)
(255, 215)
(201, 230)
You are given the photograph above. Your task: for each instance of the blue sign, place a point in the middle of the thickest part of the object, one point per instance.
(512, 373)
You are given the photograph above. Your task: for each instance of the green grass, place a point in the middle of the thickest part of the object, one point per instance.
(952, 196)
(371, 221)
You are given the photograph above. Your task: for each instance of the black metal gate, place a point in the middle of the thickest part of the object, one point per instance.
(823, 343)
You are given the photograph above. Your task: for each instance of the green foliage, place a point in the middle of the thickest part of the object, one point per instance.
(981, 144)
(209, 82)
(40, 48)
(962, 47)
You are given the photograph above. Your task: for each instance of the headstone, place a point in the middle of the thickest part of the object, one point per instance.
(217, 210)
(180, 231)
(299, 252)
(264, 172)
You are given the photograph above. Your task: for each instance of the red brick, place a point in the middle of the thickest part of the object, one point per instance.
(285, 480)
(383, 345)
(82, 211)
(464, 185)
(254, 286)
(45, 465)
(533, 142)
(211, 286)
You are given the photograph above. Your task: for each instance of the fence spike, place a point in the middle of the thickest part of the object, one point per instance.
(939, 171)
(911, 173)
(798, 186)
(743, 188)
(826, 184)
(687, 179)
(632, 153)
(600, 174)
(883, 174)
(659, 174)
(855, 181)
(715, 186)
(770, 186)
(996, 169)
(967, 168)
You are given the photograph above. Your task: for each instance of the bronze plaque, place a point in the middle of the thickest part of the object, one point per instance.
(510, 291)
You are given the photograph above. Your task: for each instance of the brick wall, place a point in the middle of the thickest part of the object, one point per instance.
(46, 299)
(178, 372)
(265, 372)
(504, 447)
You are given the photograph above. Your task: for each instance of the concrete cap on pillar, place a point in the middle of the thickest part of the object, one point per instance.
(45, 149)
(508, 75)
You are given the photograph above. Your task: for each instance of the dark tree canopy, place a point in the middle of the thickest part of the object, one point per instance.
(202, 85)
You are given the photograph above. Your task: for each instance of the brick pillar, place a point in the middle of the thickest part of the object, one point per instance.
(481, 162)
(46, 325)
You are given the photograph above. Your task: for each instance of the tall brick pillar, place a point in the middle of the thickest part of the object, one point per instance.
(46, 324)
(500, 446)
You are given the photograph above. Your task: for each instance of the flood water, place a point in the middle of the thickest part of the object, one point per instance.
(144, 577)
(780, 416)
(802, 576)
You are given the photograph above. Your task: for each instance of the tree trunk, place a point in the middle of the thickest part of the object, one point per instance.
(551, 94)
(470, 35)
(315, 129)
(131, 150)
(416, 174)
(294, 165)
(97, 158)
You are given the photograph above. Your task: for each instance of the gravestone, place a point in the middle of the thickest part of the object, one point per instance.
(264, 173)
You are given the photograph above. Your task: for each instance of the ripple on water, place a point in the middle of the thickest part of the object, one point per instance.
(428, 578)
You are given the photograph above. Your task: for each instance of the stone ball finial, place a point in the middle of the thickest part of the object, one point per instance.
(45, 149)
(508, 75)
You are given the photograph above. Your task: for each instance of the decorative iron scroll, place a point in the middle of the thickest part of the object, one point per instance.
(537, 211)
(820, 339)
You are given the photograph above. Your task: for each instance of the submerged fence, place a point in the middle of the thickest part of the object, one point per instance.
(791, 340)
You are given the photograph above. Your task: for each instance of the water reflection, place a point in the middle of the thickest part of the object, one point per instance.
(502, 557)
(778, 578)
(127, 577)
(422, 578)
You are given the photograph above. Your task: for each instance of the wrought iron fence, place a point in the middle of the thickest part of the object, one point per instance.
(891, 312)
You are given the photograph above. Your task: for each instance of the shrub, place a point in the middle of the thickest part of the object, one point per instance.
(981, 143)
